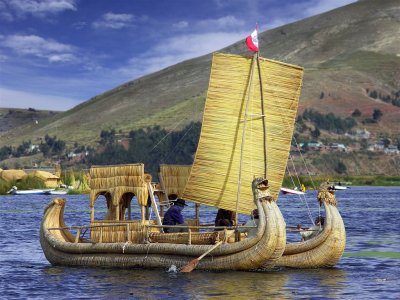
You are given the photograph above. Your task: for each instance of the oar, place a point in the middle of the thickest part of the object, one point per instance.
(193, 264)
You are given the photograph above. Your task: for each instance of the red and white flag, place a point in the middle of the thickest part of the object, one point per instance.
(252, 41)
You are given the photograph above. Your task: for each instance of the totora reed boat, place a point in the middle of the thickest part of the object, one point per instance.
(326, 248)
(239, 165)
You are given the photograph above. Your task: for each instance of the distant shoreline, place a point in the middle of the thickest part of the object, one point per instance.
(345, 180)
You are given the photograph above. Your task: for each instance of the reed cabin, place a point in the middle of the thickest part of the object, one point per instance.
(124, 186)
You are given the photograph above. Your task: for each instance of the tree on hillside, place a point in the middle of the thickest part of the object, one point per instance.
(107, 137)
(22, 149)
(386, 142)
(377, 115)
(341, 168)
(52, 146)
(5, 152)
(152, 146)
(329, 121)
(373, 94)
(315, 133)
(356, 113)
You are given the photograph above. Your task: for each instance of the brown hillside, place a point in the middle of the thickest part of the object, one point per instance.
(345, 52)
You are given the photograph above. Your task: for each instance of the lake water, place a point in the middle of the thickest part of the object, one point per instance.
(369, 269)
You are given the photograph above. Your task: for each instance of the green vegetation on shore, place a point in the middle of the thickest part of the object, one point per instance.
(311, 181)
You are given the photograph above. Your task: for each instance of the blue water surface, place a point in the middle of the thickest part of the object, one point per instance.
(369, 269)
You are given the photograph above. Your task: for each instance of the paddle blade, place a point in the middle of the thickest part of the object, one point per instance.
(190, 266)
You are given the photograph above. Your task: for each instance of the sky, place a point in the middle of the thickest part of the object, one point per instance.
(56, 54)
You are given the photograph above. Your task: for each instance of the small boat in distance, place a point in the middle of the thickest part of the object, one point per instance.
(339, 187)
(14, 191)
(287, 191)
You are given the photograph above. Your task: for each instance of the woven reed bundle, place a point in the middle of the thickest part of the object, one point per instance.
(117, 170)
(324, 250)
(215, 172)
(326, 194)
(175, 178)
(43, 175)
(196, 238)
(11, 175)
(115, 181)
(138, 232)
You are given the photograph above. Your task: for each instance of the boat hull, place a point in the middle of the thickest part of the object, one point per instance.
(62, 248)
(324, 250)
(31, 192)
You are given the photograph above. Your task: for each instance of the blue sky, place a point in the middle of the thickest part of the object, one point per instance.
(55, 54)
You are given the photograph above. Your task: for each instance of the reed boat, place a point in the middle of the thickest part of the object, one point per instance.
(326, 248)
(247, 128)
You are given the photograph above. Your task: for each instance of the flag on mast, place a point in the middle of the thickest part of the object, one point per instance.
(252, 40)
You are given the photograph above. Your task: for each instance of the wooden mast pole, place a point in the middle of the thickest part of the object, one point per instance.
(263, 116)
(243, 139)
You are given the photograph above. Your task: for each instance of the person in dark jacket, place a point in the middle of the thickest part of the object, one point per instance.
(224, 218)
(173, 216)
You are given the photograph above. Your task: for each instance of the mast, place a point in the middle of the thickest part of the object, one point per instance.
(255, 57)
(263, 118)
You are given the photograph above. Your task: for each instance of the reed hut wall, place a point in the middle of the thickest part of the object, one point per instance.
(12, 175)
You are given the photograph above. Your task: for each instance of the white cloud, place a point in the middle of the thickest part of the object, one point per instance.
(114, 21)
(79, 25)
(37, 46)
(3, 57)
(223, 23)
(4, 14)
(181, 25)
(176, 49)
(20, 99)
(41, 8)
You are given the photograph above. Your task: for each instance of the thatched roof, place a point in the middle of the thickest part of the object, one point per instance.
(10, 175)
(118, 180)
(174, 178)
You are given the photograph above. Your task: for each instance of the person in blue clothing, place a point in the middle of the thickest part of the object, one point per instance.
(173, 216)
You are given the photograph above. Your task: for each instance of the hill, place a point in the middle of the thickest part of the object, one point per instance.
(14, 121)
(348, 53)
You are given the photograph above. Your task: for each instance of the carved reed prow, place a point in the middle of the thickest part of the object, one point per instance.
(326, 193)
(261, 190)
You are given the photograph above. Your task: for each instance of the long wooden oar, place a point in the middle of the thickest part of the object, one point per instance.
(193, 263)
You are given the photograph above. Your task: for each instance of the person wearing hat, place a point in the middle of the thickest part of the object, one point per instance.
(313, 231)
(173, 216)
(251, 223)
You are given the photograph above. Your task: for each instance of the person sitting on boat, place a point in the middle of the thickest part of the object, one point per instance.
(224, 218)
(173, 216)
(253, 222)
(313, 231)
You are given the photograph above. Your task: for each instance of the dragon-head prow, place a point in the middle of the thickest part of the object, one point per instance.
(326, 193)
(261, 189)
